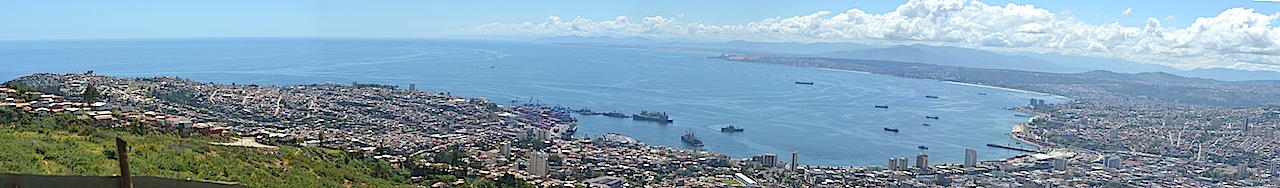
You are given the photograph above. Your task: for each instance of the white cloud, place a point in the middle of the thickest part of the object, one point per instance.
(1236, 38)
(1126, 12)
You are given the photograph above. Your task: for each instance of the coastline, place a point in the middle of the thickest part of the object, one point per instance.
(1006, 89)
(841, 70)
(961, 83)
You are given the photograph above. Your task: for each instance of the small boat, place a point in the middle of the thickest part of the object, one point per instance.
(930, 96)
(922, 147)
(882, 106)
(926, 124)
(731, 128)
(805, 83)
(931, 117)
(890, 129)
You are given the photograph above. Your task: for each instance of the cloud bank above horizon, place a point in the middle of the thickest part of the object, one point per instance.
(1237, 38)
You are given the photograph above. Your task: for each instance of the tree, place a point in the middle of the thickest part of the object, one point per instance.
(90, 94)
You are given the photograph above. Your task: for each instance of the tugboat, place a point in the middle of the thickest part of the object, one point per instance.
(890, 129)
(660, 117)
(922, 147)
(930, 96)
(616, 114)
(882, 106)
(805, 83)
(931, 117)
(691, 139)
(731, 128)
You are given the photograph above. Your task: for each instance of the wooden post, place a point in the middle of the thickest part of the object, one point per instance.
(122, 153)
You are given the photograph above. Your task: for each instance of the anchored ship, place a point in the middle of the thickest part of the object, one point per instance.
(805, 83)
(691, 139)
(660, 117)
(616, 114)
(731, 128)
(890, 129)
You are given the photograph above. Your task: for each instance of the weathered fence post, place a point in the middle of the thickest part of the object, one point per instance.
(122, 151)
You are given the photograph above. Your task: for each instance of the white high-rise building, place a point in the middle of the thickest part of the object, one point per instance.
(1059, 164)
(970, 158)
(903, 163)
(506, 149)
(794, 155)
(922, 162)
(538, 163)
(893, 164)
(769, 160)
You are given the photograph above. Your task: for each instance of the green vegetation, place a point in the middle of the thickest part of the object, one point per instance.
(63, 145)
(91, 94)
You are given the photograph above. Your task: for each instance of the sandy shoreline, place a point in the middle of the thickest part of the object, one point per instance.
(839, 70)
(1006, 89)
(960, 83)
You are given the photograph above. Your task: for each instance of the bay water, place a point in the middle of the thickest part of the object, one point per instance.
(832, 122)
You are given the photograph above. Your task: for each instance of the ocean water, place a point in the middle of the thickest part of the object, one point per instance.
(832, 122)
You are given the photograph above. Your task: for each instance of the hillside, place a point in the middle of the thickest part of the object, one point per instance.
(54, 145)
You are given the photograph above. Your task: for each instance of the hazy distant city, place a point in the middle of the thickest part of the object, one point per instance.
(917, 93)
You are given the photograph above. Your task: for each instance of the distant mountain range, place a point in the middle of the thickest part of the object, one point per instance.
(938, 55)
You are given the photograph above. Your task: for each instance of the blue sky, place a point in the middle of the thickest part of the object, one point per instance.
(400, 18)
(1185, 34)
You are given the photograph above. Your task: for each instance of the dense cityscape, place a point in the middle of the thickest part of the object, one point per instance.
(652, 94)
(1080, 143)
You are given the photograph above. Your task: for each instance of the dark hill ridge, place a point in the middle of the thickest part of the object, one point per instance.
(1105, 86)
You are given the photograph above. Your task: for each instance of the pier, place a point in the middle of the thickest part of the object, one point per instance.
(1010, 148)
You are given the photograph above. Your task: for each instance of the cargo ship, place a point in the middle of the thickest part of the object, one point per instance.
(691, 139)
(931, 117)
(660, 117)
(930, 96)
(882, 106)
(890, 129)
(805, 83)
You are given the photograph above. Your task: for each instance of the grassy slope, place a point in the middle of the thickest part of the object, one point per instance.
(88, 151)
